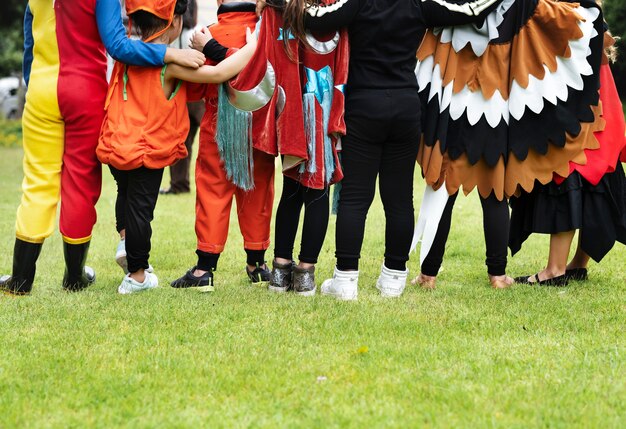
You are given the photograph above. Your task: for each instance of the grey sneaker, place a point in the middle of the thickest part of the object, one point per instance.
(304, 281)
(281, 277)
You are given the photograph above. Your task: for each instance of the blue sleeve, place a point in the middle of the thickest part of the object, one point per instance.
(27, 62)
(119, 46)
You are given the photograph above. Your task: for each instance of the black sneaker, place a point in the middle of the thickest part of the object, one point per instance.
(281, 279)
(204, 283)
(261, 274)
(304, 281)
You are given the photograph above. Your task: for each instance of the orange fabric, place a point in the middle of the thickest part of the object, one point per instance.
(539, 40)
(146, 129)
(518, 175)
(230, 30)
(214, 192)
(214, 196)
(164, 9)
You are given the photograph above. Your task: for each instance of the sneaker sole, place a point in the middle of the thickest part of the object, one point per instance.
(124, 291)
(386, 294)
(342, 297)
(277, 289)
(307, 293)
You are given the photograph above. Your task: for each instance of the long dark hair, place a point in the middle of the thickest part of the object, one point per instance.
(293, 22)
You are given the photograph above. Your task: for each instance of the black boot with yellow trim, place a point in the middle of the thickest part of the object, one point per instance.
(25, 255)
(77, 276)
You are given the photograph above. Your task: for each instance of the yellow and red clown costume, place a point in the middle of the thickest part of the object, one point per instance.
(65, 70)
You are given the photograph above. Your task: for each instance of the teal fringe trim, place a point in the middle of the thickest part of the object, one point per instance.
(336, 194)
(234, 142)
(329, 159)
(310, 126)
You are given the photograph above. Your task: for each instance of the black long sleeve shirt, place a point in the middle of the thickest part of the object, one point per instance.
(385, 34)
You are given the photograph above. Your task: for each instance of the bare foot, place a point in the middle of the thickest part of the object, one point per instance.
(426, 282)
(501, 282)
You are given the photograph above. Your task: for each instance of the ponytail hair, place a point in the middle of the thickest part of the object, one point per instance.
(294, 12)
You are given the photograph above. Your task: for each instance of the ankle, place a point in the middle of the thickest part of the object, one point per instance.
(199, 273)
(306, 265)
(282, 261)
(139, 276)
(551, 272)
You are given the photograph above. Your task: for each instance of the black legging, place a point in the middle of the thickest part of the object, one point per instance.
(385, 147)
(316, 213)
(137, 193)
(495, 226)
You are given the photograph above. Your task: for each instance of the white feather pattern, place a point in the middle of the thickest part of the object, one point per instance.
(553, 87)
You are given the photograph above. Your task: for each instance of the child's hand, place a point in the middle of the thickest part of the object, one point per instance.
(200, 38)
(250, 36)
(260, 5)
(185, 57)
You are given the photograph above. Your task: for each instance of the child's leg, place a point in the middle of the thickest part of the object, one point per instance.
(214, 197)
(254, 211)
(287, 220)
(121, 179)
(580, 259)
(496, 219)
(432, 262)
(554, 272)
(316, 214)
(143, 191)
(397, 167)
(81, 178)
(559, 251)
(44, 131)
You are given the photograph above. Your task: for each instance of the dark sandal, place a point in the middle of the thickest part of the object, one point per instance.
(557, 281)
(577, 274)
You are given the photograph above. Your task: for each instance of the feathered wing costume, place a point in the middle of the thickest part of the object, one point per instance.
(509, 102)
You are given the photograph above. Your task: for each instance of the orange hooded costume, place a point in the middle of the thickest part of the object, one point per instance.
(143, 127)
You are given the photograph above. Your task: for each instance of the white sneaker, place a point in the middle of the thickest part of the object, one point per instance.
(120, 257)
(343, 285)
(129, 285)
(391, 283)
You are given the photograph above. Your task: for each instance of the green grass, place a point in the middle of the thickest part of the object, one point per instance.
(462, 356)
(10, 132)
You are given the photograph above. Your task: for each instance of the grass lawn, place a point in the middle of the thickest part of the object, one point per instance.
(462, 356)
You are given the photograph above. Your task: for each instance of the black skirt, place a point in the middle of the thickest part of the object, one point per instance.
(599, 212)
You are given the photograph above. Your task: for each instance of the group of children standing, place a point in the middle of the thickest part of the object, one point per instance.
(551, 155)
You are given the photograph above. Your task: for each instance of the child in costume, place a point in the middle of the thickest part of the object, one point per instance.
(382, 124)
(591, 199)
(270, 94)
(323, 71)
(145, 127)
(506, 105)
(65, 69)
(215, 186)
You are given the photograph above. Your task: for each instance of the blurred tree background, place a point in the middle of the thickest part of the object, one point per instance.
(11, 37)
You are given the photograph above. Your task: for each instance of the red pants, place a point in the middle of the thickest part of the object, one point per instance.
(214, 196)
